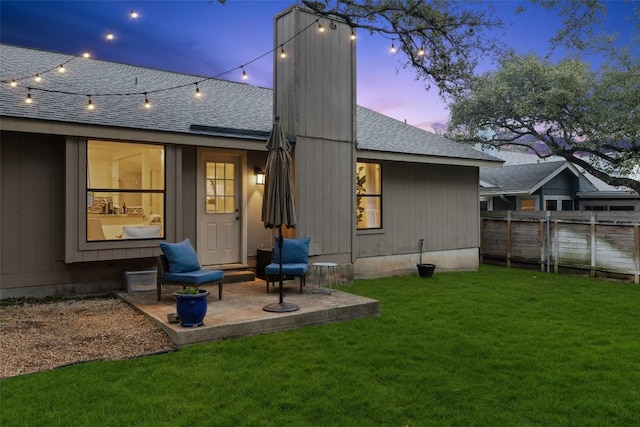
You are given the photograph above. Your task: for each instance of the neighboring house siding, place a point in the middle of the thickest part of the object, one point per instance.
(432, 202)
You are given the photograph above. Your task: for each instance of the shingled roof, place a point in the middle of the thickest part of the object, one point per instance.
(226, 109)
(521, 179)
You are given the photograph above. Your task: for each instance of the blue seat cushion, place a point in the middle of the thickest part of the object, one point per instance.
(198, 277)
(294, 251)
(295, 269)
(181, 256)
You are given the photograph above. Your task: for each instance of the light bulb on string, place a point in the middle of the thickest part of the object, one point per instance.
(421, 51)
(86, 55)
(198, 94)
(61, 69)
(13, 83)
(110, 36)
(244, 74)
(37, 78)
(90, 105)
(320, 27)
(353, 35)
(283, 54)
(147, 104)
(133, 14)
(393, 47)
(28, 100)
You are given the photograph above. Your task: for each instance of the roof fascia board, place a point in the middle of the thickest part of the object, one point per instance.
(127, 134)
(418, 158)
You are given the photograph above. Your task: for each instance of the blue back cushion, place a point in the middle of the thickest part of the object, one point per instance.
(294, 251)
(181, 256)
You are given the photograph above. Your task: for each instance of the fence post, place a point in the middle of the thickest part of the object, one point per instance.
(508, 239)
(543, 244)
(593, 244)
(636, 236)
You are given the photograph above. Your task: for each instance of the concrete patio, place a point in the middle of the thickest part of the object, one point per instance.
(240, 312)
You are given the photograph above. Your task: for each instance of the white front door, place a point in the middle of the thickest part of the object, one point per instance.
(218, 209)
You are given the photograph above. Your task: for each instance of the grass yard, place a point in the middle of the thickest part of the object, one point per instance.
(494, 348)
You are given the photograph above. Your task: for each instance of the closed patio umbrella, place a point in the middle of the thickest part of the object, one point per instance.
(277, 204)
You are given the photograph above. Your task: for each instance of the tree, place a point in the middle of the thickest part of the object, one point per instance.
(442, 40)
(592, 119)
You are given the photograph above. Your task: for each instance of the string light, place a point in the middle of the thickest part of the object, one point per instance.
(393, 47)
(421, 51)
(90, 106)
(353, 34)
(133, 14)
(320, 27)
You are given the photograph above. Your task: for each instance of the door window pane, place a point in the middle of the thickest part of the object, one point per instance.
(220, 187)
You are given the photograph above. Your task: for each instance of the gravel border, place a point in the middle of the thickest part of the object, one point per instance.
(39, 336)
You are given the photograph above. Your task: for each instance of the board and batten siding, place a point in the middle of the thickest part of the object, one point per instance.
(314, 86)
(315, 98)
(325, 189)
(436, 203)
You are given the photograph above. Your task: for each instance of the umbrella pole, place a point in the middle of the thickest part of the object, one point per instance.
(280, 241)
(281, 307)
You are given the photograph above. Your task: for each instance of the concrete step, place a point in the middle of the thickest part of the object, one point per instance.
(234, 273)
(235, 276)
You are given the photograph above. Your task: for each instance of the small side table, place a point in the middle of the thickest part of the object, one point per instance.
(330, 274)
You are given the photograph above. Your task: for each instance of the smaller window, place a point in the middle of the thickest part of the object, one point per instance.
(528, 205)
(368, 196)
(551, 205)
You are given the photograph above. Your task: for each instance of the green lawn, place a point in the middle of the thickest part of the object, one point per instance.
(494, 348)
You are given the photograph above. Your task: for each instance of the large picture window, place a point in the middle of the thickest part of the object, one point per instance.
(368, 196)
(125, 191)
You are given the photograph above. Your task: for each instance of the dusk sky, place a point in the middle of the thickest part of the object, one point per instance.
(206, 38)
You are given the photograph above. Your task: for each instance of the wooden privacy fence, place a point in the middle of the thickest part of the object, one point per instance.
(601, 243)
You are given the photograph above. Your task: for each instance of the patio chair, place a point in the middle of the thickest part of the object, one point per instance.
(295, 254)
(180, 266)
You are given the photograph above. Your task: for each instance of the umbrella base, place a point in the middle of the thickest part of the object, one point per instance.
(281, 307)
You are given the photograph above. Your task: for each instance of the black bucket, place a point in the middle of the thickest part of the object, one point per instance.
(426, 270)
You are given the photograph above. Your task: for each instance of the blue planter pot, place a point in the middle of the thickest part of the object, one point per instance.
(192, 308)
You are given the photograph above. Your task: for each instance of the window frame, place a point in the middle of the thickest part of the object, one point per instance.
(379, 196)
(77, 248)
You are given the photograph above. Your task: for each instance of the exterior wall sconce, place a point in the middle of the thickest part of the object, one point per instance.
(259, 176)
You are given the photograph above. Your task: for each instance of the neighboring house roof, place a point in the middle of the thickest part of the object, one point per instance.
(226, 109)
(521, 179)
(589, 184)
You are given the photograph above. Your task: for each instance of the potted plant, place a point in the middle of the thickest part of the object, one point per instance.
(425, 270)
(191, 305)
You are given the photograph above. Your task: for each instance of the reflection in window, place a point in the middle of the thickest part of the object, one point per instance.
(125, 191)
(368, 196)
(220, 187)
